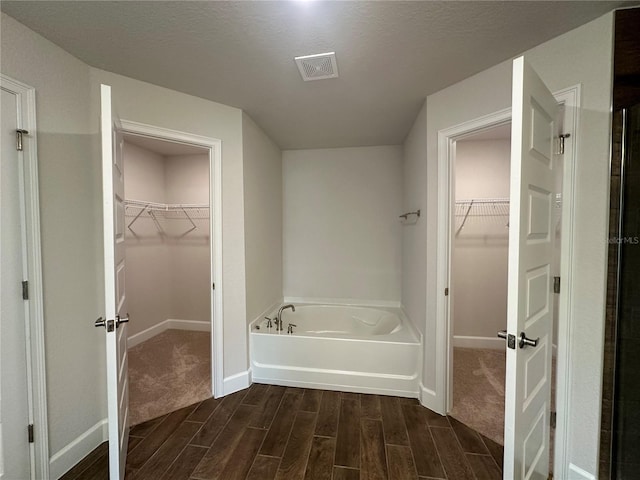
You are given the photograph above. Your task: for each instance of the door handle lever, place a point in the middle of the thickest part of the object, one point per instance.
(524, 341)
(100, 322)
(120, 320)
(502, 334)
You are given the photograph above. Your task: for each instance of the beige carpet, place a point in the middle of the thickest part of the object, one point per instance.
(478, 390)
(168, 372)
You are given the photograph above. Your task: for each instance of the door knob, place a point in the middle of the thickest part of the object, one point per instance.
(524, 341)
(120, 320)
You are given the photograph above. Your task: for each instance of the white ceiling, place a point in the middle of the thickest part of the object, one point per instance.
(391, 54)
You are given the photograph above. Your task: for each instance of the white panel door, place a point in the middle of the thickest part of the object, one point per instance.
(530, 296)
(14, 408)
(115, 299)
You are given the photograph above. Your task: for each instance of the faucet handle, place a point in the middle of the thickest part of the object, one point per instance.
(290, 328)
(269, 322)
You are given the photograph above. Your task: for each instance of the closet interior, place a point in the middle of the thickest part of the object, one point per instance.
(168, 276)
(480, 247)
(479, 270)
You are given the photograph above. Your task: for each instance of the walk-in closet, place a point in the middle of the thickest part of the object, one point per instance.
(480, 248)
(168, 276)
(479, 269)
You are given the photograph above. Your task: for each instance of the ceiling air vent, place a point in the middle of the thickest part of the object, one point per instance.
(318, 67)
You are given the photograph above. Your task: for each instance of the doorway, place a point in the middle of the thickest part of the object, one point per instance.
(24, 451)
(480, 244)
(168, 276)
(568, 100)
(188, 227)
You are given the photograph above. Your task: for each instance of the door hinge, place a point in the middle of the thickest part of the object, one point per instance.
(25, 290)
(561, 138)
(446, 292)
(556, 284)
(19, 133)
(213, 286)
(552, 419)
(30, 432)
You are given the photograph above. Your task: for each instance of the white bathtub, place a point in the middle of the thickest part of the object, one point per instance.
(356, 349)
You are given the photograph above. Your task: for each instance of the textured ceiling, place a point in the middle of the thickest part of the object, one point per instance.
(391, 54)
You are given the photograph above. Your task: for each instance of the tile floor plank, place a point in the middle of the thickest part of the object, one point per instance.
(495, 449)
(311, 400)
(264, 468)
(353, 447)
(256, 394)
(395, 431)
(185, 464)
(341, 473)
(348, 440)
(242, 457)
(327, 424)
(425, 454)
(143, 429)
(370, 406)
(276, 439)
(452, 457)
(204, 410)
(401, 464)
(373, 461)
(469, 439)
(157, 465)
(434, 419)
(320, 464)
(267, 410)
(484, 467)
(99, 452)
(216, 458)
(216, 422)
(150, 445)
(296, 454)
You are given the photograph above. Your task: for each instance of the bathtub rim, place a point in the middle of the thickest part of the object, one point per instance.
(415, 336)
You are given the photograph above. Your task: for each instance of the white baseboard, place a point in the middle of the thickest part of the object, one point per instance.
(577, 473)
(429, 399)
(237, 382)
(170, 323)
(67, 457)
(479, 342)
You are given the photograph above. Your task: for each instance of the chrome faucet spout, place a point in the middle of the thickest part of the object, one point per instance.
(279, 324)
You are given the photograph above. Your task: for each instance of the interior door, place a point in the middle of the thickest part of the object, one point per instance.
(15, 460)
(530, 296)
(116, 318)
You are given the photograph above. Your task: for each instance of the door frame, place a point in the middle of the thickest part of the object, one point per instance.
(32, 268)
(447, 138)
(214, 147)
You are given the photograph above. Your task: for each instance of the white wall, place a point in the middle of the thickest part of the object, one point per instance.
(168, 277)
(147, 279)
(342, 234)
(149, 104)
(187, 181)
(263, 218)
(582, 56)
(480, 249)
(70, 228)
(414, 236)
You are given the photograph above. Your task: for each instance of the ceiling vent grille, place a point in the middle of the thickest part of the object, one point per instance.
(318, 67)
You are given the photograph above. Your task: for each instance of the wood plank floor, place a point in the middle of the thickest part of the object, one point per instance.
(271, 432)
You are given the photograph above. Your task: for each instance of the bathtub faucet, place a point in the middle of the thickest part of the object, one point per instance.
(278, 319)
